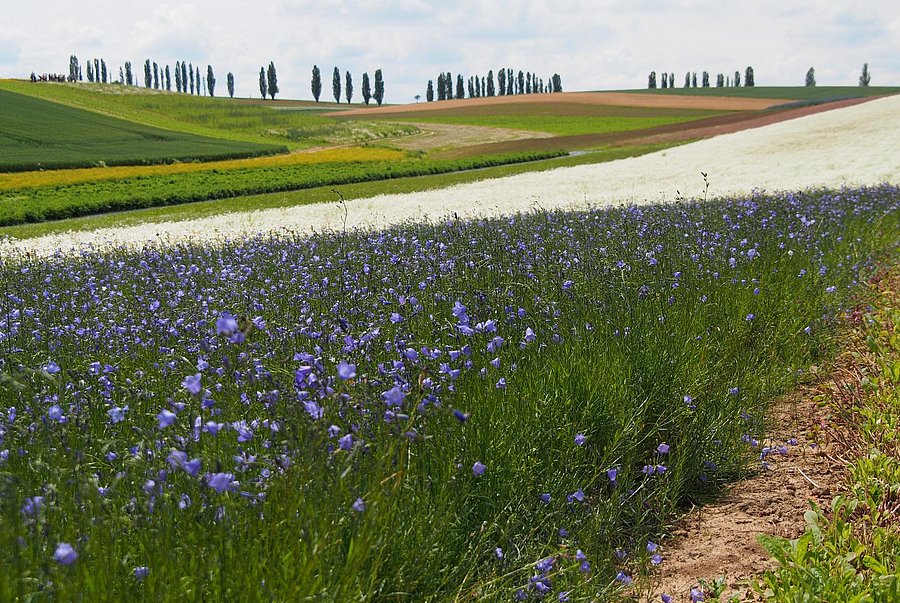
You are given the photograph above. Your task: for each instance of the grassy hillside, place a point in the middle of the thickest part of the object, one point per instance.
(799, 93)
(296, 124)
(38, 134)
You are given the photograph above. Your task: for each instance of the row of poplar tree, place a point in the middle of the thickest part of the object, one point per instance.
(368, 92)
(187, 78)
(508, 84)
(690, 80)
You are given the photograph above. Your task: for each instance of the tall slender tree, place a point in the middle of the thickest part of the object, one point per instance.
(720, 81)
(651, 80)
(491, 90)
(191, 74)
(811, 77)
(103, 73)
(129, 74)
(210, 80)
(749, 80)
(737, 79)
(121, 75)
(155, 76)
(178, 76)
(148, 74)
(197, 80)
(441, 89)
(366, 89)
(520, 82)
(272, 80)
(263, 85)
(336, 85)
(378, 93)
(460, 86)
(694, 80)
(865, 77)
(429, 92)
(229, 82)
(90, 70)
(168, 79)
(184, 78)
(665, 80)
(348, 87)
(501, 82)
(316, 82)
(706, 79)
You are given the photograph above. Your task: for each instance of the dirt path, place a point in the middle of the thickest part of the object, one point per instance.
(719, 539)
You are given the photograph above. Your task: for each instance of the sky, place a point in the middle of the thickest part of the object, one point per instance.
(593, 45)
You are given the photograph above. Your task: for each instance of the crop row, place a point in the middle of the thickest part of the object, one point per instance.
(54, 203)
(501, 409)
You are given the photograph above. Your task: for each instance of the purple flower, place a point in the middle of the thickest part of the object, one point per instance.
(165, 417)
(346, 370)
(567, 285)
(359, 505)
(478, 468)
(656, 559)
(116, 414)
(612, 473)
(576, 495)
(226, 324)
(652, 546)
(346, 442)
(461, 416)
(579, 439)
(141, 572)
(666, 598)
(563, 596)
(830, 289)
(220, 482)
(498, 553)
(32, 505)
(394, 396)
(545, 498)
(65, 554)
(545, 564)
(697, 595)
(51, 367)
(663, 448)
(54, 413)
(192, 384)
(624, 578)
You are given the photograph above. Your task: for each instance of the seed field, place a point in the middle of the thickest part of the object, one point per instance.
(492, 409)
(36, 134)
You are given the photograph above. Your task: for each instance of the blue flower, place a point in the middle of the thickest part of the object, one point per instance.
(141, 572)
(394, 396)
(51, 367)
(165, 417)
(579, 439)
(461, 416)
(220, 482)
(65, 554)
(624, 578)
(612, 473)
(359, 505)
(116, 414)
(346, 442)
(226, 324)
(32, 505)
(478, 468)
(663, 448)
(346, 370)
(192, 384)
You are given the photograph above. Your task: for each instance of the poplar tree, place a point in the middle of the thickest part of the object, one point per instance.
(191, 74)
(103, 73)
(129, 75)
(272, 80)
(737, 79)
(811, 77)
(687, 79)
(501, 81)
(178, 76)
(316, 82)
(651, 80)
(229, 81)
(210, 80)
(184, 78)
(557, 83)
(490, 83)
(263, 88)
(866, 77)
(90, 70)
(336, 85)
(155, 76)
(720, 81)
(148, 74)
(168, 79)
(460, 86)
(441, 90)
(665, 80)
(694, 80)
(429, 92)
(348, 88)
(706, 79)
(197, 79)
(366, 88)
(748, 78)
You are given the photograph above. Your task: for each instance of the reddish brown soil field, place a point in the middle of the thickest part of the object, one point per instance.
(624, 99)
(694, 130)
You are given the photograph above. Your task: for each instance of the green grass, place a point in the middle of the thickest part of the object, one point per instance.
(292, 123)
(323, 194)
(799, 93)
(559, 125)
(851, 552)
(37, 134)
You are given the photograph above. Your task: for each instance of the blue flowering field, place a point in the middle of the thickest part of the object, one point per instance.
(505, 409)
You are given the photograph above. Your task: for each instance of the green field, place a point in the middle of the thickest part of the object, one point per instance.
(38, 134)
(798, 93)
(291, 123)
(567, 119)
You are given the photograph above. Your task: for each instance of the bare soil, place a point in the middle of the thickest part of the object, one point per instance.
(628, 99)
(441, 136)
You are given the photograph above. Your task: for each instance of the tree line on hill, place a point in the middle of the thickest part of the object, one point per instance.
(187, 78)
(667, 80)
(368, 93)
(508, 84)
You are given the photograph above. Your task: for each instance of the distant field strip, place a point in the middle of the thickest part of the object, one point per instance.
(53, 203)
(41, 134)
(19, 180)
